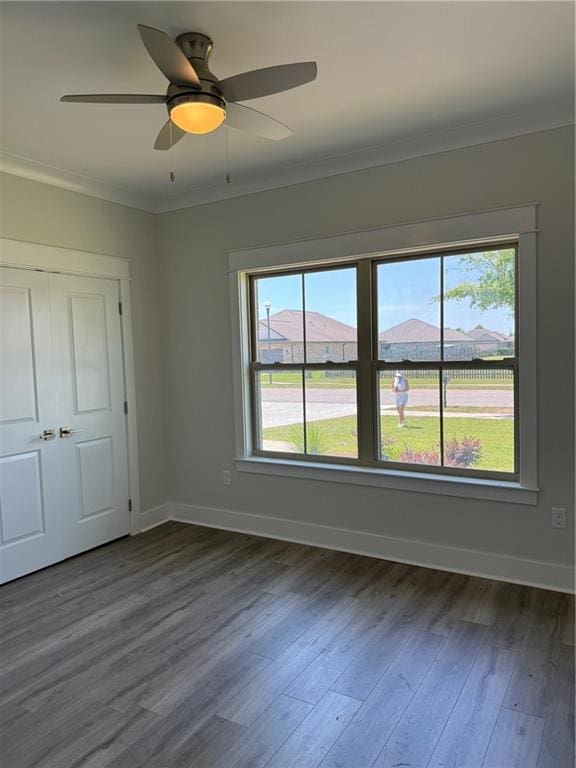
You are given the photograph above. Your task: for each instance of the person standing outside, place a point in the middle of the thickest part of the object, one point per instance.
(401, 387)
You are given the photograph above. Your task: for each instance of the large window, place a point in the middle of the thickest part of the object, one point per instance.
(407, 363)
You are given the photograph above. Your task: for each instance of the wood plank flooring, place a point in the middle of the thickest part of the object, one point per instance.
(188, 647)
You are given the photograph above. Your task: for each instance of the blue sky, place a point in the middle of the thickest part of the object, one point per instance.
(406, 290)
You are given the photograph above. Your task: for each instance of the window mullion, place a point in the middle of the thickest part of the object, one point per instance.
(305, 358)
(366, 385)
(441, 369)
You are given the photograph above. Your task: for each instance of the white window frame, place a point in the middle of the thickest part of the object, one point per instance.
(515, 224)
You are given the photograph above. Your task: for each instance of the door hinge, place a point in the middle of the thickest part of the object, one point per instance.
(119, 307)
(125, 406)
(129, 505)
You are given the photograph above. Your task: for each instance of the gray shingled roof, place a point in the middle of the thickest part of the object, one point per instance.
(485, 334)
(415, 330)
(287, 325)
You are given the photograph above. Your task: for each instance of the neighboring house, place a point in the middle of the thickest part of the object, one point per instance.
(330, 340)
(491, 342)
(326, 339)
(417, 340)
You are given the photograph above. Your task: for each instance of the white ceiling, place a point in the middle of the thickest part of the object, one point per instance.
(393, 77)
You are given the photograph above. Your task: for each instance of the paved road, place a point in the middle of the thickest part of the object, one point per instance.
(282, 406)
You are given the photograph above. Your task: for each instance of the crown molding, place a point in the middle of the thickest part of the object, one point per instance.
(33, 170)
(461, 136)
(458, 137)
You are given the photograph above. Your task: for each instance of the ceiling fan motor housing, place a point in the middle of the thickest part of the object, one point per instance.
(195, 45)
(181, 94)
(197, 48)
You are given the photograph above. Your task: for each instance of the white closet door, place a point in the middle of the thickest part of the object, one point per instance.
(91, 422)
(30, 461)
(63, 453)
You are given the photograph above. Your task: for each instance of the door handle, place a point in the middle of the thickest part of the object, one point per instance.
(47, 434)
(66, 431)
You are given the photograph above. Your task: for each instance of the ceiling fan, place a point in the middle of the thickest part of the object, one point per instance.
(196, 100)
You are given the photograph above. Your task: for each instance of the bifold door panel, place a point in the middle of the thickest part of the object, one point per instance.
(30, 513)
(63, 456)
(90, 394)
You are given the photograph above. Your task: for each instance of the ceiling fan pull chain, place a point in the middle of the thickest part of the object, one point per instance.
(228, 174)
(172, 174)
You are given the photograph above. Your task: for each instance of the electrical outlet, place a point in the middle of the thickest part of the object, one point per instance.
(558, 517)
(226, 477)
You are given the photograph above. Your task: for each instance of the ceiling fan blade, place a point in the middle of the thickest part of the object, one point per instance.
(250, 120)
(264, 82)
(116, 98)
(168, 57)
(167, 138)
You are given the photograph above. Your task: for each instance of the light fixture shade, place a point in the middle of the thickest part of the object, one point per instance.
(197, 116)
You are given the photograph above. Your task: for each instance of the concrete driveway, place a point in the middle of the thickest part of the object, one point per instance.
(282, 406)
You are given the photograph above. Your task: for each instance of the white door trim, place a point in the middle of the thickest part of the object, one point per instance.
(130, 395)
(25, 255)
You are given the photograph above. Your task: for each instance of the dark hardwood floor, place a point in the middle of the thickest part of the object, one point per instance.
(187, 647)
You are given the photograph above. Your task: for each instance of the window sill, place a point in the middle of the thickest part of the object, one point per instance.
(470, 488)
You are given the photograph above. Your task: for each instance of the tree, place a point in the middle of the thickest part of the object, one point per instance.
(493, 286)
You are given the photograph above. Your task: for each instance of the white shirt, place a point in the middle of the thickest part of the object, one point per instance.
(400, 384)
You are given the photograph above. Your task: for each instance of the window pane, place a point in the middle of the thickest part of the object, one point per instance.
(331, 316)
(409, 310)
(410, 416)
(279, 316)
(331, 413)
(479, 419)
(280, 411)
(479, 301)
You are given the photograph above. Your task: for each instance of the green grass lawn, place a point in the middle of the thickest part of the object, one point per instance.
(318, 379)
(337, 437)
(461, 409)
(456, 383)
(314, 379)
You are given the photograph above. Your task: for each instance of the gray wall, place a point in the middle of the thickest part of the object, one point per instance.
(44, 214)
(179, 263)
(194, 245)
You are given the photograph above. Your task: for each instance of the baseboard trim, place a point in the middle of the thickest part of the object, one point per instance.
(150, 518)
(534, 573)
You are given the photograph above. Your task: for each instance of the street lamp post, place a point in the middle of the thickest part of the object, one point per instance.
(267, 307)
